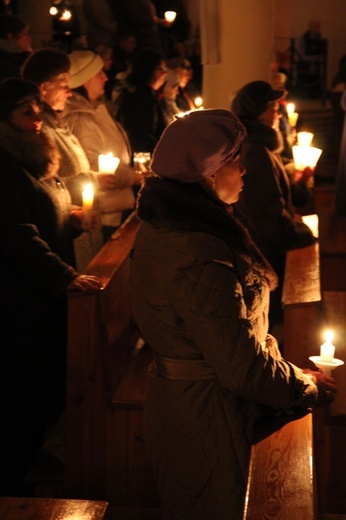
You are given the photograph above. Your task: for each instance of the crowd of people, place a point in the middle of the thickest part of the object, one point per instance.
(217, 218)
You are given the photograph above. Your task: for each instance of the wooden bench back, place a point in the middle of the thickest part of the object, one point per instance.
(101, 336)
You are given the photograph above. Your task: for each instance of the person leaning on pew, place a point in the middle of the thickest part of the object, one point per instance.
(200, 290)
(37, 266)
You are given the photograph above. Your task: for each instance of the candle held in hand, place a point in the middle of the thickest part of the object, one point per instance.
(88, 197)
(327, 349)
(108, 163)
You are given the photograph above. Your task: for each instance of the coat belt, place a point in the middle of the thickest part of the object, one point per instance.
(183, 369)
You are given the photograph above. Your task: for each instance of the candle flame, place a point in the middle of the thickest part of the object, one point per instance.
(329, 336)
(290, 108)
(66, 15)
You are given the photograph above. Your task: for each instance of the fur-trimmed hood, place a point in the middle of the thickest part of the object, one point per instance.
(192, 207)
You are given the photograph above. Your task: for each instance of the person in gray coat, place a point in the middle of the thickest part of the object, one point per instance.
(200, 290)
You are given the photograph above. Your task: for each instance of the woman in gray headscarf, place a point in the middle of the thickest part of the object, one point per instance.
(200, 294)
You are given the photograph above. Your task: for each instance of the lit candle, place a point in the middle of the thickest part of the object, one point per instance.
(305, 157)
(290, 108)
(327, 349)
(292, 115)
(312, 222)
(141, 160)
(170, 16)
(88, 197)
(198, 102)
(108, 163)
(66, 15)
(305, 138)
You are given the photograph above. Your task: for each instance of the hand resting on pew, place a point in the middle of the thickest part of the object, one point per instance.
(85, 282)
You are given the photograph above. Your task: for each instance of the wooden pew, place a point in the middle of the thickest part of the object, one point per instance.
(282, 481)
(301, 300)
(333, 250)
(12, 508)
(107, 364)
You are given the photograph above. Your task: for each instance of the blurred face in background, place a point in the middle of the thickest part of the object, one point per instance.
(95, 86)
(185, 76)
(22, 39)
(159, 76)
(271, 116)
(56, 91)
(128, 44)
(27, 117)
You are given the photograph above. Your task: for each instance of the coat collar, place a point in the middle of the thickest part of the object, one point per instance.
(176, 206)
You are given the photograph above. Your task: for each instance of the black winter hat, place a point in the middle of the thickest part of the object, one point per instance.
(13, 93)
(44, 64)
(252, 99)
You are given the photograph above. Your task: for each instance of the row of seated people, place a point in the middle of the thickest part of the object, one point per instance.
(44, 167)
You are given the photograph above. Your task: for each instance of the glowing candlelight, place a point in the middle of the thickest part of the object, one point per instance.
(53, 11)
(290, 108)
(88, 197)
(304, 138)
(327, 349)
(170, 16)
(292, 115)
(305, 157)
(141, 160)
(312, 222)
(66, 15)
(198, 102)
(108, 163)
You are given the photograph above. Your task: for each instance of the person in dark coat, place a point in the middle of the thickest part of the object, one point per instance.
(15, 45)
(37, 266)
(266, 200)
(200, 297)
(136, 101)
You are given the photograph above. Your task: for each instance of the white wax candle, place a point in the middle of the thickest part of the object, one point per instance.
(327, 349)
(292, 119)
(312, 222)
(108, 163)
(305, 157)
(88, 197)
(170, 16)
(305, 138)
